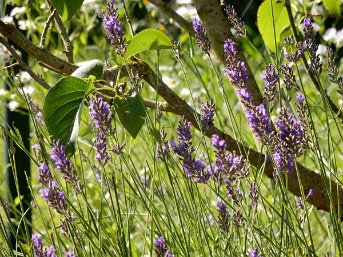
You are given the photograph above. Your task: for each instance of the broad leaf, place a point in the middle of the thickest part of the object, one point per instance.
(131, 112)
(62, 106)
(272, 20)
(67, 8)
(333, 6)
(149, 39)
(93, 67)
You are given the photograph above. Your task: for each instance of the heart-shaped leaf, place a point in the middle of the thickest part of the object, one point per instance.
(62, 106)
(148, 39)
(131, 112)
(333, 6)
(272, 20)
(67, 8)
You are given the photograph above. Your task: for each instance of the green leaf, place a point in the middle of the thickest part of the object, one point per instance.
(62, 108)
(90, 68)
(149, 39)
(131, 112)
(67, 8)
(270, 18)
(333, 6)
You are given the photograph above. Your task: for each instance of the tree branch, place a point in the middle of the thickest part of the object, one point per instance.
(63, 32)
(11, 32)
(169, 11)
(23, 65)
(218, 30)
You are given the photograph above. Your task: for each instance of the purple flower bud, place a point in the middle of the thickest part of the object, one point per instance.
(201, 37)
(207, 115)
(270, 79)
(300, 98)
(70, 254)
(114, 28)
(235, 68)
(308, 23)
(100, 114)
(223, 216)
(194, 169)
(64, 165)
(160, 247)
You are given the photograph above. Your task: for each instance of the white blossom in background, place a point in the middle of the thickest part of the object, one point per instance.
(90, 5)
(338, 39)
(330, 34)
(17, 11)
(5, 55)
(26, 24)
(27, 90)
(4, 92)
(24, 76)
(13, 105)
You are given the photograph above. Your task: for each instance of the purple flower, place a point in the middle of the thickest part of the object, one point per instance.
(101, 115)
(70, 254)
(44, 174)
(237, 23)
(201, 37)
(300, 98)
(64, 165)
(257, 116)
(227, 167)
(223, 216)
(207, 115)
(38, 112)
(291, 132)
(163, 146)
(160, 248)
(99, 111)
(254, 253)
(37, 247)
(36, 147)
(100, 145)
(50, 252)
(235, 68)
(283, 158)
(308, 23)
(114, 28)
(311, 46)
(54, 197)
(270, 79)
(195, 169)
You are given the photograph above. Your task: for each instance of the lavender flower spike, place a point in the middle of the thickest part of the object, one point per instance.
(160, 248)
(114, 28)
(37, 247)
(237, 23)
(207, 115)
(201, 37)
(236, 69)
(70, 254)
(195, 169)
(223, 216)
(55, 198)
(270, 79)
(100, 113)
(64, 165)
